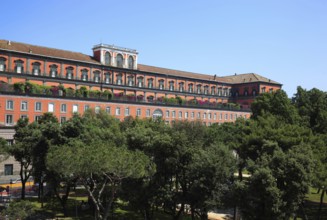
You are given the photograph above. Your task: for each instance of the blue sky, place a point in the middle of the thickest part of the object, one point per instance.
(284, 40)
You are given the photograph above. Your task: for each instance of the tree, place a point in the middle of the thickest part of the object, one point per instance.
(26, 138)
(4, 150)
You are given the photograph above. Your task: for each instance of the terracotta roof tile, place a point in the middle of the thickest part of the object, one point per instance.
(248, 78)
(45, 51)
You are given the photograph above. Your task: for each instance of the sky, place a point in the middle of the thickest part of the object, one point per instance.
(283, 40)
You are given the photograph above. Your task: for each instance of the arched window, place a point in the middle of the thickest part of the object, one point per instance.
(119, 79)
(150, 83)
(140, 81)
(84, 75)
(157, 114)
(107, 78)
(190, 87)
(107, 58)
(36, 68)
(130, 62)
(130, 80)
(69, 72)
(19, 68)
(120, 60)
(96, 76)
(181, 87)
(53, 70)
(2, 64)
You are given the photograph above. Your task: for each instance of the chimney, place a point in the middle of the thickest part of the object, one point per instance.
(9, 42)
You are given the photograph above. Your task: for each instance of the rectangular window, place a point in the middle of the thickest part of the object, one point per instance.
(226, 116)
(118, 111)
(167, 114)
(75, 108)
(148, 113)
(221, 116)
(86, 107)
(180, 114)
(23, 116)
(10, 142)
(173, 114)
(9, 119)
(62, 120)
(138, 112)
(231, 116)
(23, 106)
(10, 105)
(198, 115)
(97, 109)
(37, 117)
(63, 108)
(9, 169)
(108, 110)
(50, 107)
(186, 114)
(38, 106)
(126, 111)
(209, 116)
(192, 114)
(204, 115)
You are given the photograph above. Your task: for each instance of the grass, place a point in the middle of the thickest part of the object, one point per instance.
(311, 206)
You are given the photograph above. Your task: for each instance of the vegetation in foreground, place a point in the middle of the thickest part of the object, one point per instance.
(185, 168)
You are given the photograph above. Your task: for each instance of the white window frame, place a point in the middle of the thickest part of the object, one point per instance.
(10, 105)
(24, 106)
(127, 111)
(63, 108)
(138, 112)
(75, 108)
(117, 112)
(38, 106)
(11, 122)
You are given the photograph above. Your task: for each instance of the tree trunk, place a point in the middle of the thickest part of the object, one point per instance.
(321, 203)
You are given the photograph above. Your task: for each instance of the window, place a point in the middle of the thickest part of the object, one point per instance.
(117, 111)
(180, 114)
(38, 106)
(263, 89)
(171, 85)
(9, 119)
(140, 81)
(254, 92)
(231, 116)
(130, 62)
(50, 107)
(23, 106)
(186, 114)
(107, 78)
(69, 73)
(192, 115)
(148, 113)
(204, 115)
(53, 70)
(86, 107)
(209, 116)
(85, 75)
(173, 114)
(157, 114)
(2, 64)
(221, 116)
(161, 84)
(198, 115)
(150, 83)
(36, 68)
(97, 109)
(120, 60)
(10, 142)
(19, 66)
(75, 108)
(138, 112)
(206, 90)
(226, 116)
(130, 80)
(246, 93)
(107, 58)
(271, 90)
(190, 88)
(126, 111)
(220, 91)
(198, 89)
(96, 76)
(214, 116)
(213, 90)
(10, 105)
(37, 117)
(119, 79)
(167, 114)
(63, 108)
(108, 110)
(62, 120)
(9, 168)
(23, 116)
(181, 87)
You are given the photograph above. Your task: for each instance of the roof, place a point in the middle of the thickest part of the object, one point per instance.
(64, 54)
(45, 51)
(248, 78)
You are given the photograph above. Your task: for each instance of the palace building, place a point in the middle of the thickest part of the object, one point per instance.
(37, 79)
